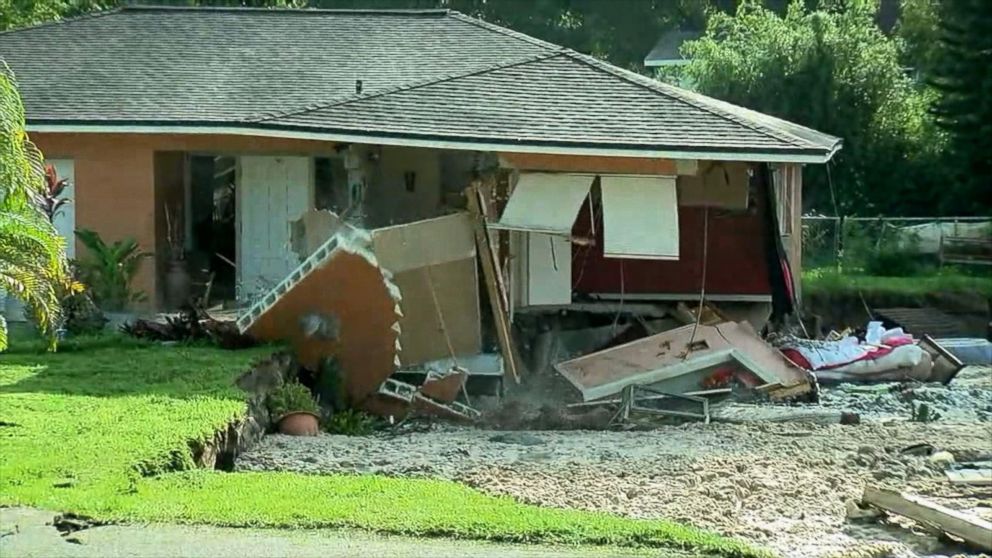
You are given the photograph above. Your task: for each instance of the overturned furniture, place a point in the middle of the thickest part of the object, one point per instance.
(685, 360)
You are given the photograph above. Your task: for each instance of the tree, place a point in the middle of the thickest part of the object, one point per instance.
(33, 265)
(831, 69)
(621, 31)
(964, 78)
(918, 31)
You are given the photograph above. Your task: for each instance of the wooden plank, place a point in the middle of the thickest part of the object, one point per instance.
(424, 243)
(457, 286)
(494, 286)
(590, 164)
(971, 477)
(973, 530)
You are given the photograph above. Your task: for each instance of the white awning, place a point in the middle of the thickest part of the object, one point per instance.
(545, 202)
(640, 217)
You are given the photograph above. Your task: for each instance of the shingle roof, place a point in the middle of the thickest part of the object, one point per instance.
(426, 74)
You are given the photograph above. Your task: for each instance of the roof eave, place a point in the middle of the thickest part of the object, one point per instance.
(716, 153)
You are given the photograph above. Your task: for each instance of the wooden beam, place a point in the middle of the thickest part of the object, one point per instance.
(498, 300)
(592, 164)
(972, 477)
(973, 530)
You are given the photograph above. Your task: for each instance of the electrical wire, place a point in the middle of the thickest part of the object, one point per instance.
(702, 286)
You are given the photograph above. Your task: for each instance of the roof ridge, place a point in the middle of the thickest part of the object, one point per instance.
(687, 97)
(345, 99)
(305, 11)
(503, 30)
(63, 21)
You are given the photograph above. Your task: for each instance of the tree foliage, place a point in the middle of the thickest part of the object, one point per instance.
(964, 78)
(918, 32)
(831, 69)
(33, 265)
(622, 31)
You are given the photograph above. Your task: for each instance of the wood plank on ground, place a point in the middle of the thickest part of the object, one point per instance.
(972, 530)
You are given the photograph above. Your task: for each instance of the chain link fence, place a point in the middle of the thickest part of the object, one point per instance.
(888, 246)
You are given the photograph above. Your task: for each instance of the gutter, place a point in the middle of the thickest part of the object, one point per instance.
(408, 140)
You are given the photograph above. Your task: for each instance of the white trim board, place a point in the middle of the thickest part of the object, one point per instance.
(467, 144)
(682, 296)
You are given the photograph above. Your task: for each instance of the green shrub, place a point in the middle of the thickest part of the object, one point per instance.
(292, 397)
(109, 269)
(351, 423)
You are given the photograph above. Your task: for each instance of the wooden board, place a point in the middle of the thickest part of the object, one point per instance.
(498, 300)
(972, 477)
(457, 287)
(973, 530)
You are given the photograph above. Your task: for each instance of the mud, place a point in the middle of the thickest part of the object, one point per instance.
(789, 487)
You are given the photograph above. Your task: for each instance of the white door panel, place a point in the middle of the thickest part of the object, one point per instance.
(274, 191)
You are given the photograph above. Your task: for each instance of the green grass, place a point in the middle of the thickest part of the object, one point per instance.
(103, 429)
(831, 282)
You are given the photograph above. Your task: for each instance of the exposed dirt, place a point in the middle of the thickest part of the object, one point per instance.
(787, 486)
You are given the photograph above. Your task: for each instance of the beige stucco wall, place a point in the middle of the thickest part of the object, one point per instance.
(388, 200)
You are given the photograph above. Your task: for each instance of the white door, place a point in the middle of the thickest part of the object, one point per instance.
(272, 193)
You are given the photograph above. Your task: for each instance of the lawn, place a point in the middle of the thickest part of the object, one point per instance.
(830, 282)
(103, 429)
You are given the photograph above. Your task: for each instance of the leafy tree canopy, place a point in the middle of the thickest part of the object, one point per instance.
(831, 69)
(622, 31)
(963, 75)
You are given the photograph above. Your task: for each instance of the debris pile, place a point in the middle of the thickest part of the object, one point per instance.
(880, 354)
(190, 324)
(343, 304)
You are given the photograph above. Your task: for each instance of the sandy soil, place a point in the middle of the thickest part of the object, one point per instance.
(787, 486)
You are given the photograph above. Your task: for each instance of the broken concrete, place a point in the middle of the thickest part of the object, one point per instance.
(444, 386)
(342, 279)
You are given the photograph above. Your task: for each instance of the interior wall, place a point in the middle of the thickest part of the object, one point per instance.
(115, 180)
(735, 252)
(389, 201)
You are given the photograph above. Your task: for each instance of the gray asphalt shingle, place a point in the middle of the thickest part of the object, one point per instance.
(425, 74)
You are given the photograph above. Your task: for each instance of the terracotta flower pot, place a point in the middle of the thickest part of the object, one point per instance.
(299, 423)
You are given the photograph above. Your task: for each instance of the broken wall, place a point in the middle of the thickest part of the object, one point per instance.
(405, 186)
(433, 264)
(735, 247)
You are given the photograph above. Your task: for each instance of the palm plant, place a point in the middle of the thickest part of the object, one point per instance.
(109, 269)
(33, 266)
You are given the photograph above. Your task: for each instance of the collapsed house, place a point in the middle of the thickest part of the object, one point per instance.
(421, 192)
